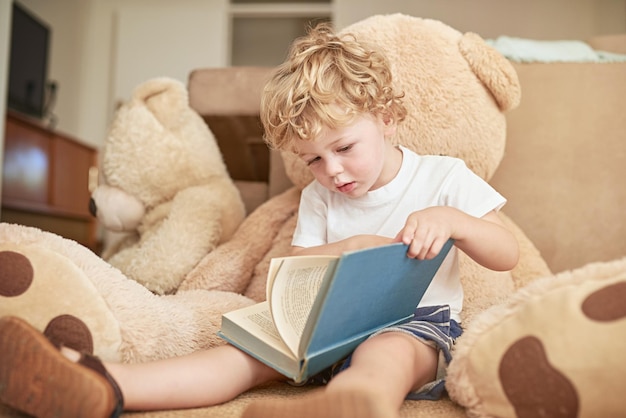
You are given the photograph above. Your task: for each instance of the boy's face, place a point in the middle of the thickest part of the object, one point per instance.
(354, 159)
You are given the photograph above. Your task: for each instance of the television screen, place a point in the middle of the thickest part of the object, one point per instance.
(28, 62)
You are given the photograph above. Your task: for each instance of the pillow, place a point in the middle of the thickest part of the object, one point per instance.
(528, 50)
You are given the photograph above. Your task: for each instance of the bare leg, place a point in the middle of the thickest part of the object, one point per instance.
(384, 369)
(37, 378)
(203, 378)
(388, 366)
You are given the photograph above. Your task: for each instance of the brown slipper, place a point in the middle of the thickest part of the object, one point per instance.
(37, 379)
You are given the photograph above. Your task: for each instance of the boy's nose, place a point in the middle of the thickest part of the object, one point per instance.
(333, 168)
(334, 171)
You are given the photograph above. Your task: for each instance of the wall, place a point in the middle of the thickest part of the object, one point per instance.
(539, 19)
(167, 38)
(69, 23)
(103, 48)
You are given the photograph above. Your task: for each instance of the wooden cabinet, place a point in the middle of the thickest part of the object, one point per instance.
(45, 180)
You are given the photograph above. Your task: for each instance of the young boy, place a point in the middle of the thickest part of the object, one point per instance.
(332, 104)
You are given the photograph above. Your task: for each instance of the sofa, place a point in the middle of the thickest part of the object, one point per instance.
(561, 173)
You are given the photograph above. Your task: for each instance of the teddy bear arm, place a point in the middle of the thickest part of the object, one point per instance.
(281, 246)
(192, 227)
(531, 264)
(135, 262)
(117, 245)
(233, 264)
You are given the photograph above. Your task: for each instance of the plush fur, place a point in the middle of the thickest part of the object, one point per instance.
(166, 185)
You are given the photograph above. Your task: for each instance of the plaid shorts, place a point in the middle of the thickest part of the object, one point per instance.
(431, 325)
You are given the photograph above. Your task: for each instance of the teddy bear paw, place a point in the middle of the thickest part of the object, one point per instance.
(50, 292)
(554, 350)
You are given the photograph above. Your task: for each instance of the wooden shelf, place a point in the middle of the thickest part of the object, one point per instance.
(45, 180)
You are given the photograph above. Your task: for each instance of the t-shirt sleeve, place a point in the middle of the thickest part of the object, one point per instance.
(468, 192)
(312, 214)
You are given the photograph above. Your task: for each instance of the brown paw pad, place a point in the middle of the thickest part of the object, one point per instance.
(532, 385)
(606, 304)
(16, 274)
(71, 332)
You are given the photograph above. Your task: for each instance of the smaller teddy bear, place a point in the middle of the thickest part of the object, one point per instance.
(165, 185)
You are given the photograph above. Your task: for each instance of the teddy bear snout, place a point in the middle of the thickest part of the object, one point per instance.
(117, 210)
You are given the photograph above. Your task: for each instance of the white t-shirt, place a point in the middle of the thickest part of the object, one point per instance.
(423, 181)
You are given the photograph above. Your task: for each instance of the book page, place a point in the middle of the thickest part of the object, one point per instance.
(257, 320)
(275, 264)
(292, 295)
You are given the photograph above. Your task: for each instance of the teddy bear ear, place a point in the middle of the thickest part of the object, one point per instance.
(493, 70)
(163, 97)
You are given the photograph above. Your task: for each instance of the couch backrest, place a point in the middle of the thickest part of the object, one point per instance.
(565, 161)
(229, 99)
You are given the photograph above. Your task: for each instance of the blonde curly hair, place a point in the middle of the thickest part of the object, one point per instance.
(326, 82)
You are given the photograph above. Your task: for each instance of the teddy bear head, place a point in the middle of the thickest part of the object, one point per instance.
(156, 147)
(456, 88)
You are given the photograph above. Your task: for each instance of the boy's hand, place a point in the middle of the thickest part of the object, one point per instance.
(486, 240)
(426, 231)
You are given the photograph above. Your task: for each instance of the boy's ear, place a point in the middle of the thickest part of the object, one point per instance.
(390, 125)
(387, 118)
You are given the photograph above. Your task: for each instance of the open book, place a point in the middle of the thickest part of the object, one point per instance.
(320, 308)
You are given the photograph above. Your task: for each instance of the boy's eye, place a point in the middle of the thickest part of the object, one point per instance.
(312, 160)
(344, 149)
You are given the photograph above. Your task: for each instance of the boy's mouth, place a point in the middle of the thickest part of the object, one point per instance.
(346, 187)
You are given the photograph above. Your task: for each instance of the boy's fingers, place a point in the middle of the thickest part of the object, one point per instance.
(426, 250)
(435, 249)
(406, 236)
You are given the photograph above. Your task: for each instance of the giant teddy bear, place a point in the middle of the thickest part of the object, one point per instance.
(457, 90)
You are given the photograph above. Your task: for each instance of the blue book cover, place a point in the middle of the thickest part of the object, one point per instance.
(358, 294)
